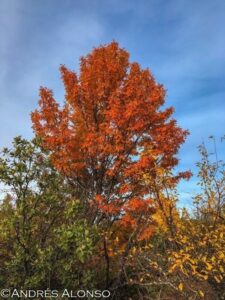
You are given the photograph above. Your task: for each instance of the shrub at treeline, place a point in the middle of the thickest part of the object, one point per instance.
(91, 201)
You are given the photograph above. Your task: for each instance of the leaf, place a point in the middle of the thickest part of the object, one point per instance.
(181, 286)
(217, 279)
(201, 294)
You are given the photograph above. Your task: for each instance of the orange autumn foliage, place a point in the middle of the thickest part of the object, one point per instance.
(102, 136)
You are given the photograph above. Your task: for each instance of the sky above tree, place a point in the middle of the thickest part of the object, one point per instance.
(181, 42)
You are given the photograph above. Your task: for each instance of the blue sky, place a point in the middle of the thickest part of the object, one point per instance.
(182, 42)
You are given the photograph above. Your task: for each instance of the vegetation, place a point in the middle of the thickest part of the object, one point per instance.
(91, 200)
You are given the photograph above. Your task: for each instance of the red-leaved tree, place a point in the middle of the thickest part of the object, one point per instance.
(109, 134)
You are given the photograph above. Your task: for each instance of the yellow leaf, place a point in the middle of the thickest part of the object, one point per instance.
(217, 279)
(205, 277)
(209, 267)
(201, 294)
(181, 286)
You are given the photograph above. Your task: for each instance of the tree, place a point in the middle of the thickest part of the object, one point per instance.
(110, 133)
(199, 261)
(43, 237)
